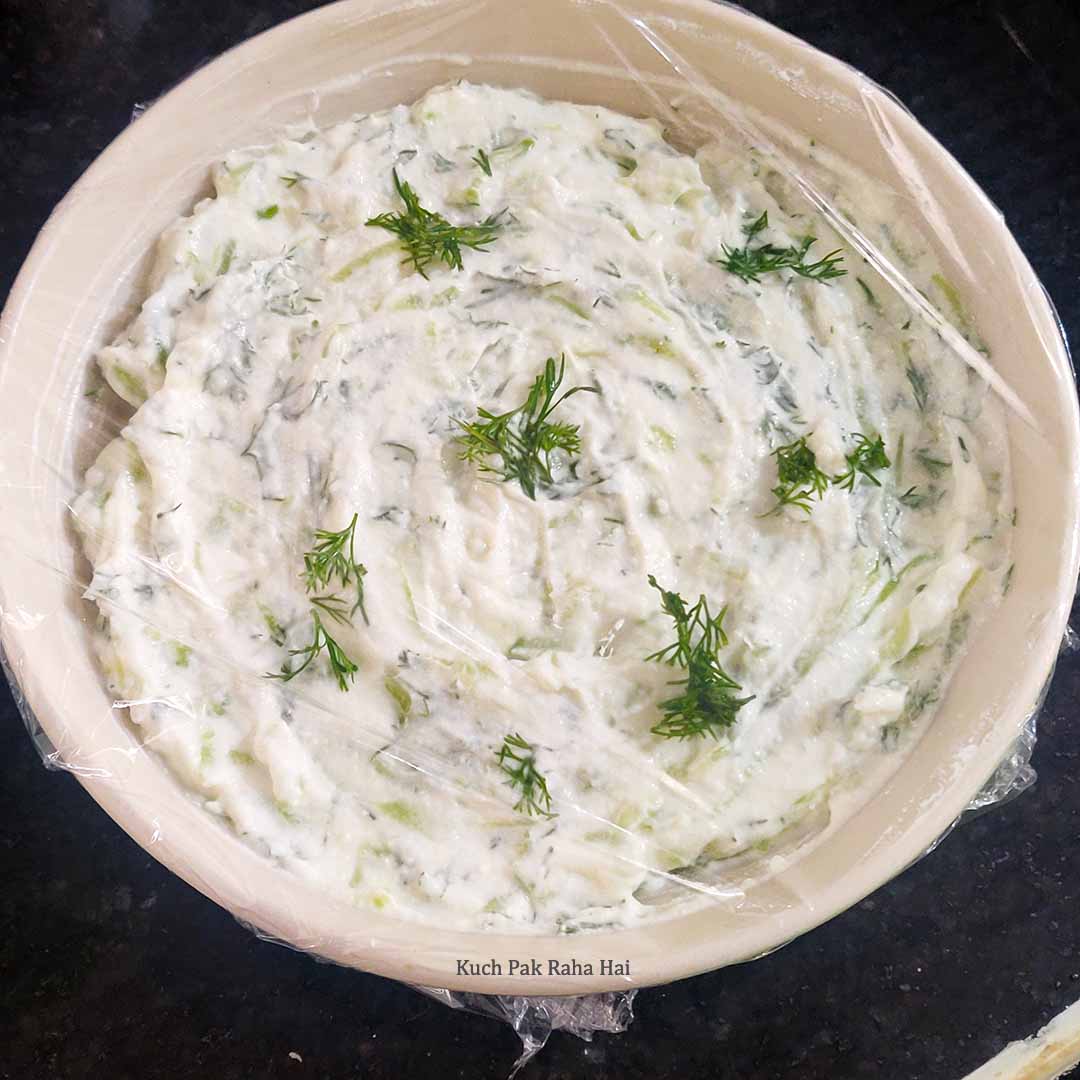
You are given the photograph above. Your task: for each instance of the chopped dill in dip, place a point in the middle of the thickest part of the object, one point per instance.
(514, 506)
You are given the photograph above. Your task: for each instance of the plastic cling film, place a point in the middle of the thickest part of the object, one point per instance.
(534, 1019)
(441, 771)
(780, 334)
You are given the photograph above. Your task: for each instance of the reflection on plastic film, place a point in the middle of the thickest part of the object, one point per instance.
(708, 95)
(346, 727)
(436, 770)
(535, 1018)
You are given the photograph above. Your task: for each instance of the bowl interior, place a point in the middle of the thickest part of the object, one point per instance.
(684, 61)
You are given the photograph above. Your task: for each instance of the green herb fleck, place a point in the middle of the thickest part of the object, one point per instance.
(871, 299)
(335, 607)
(343, 669)
(867, 458)
(919, 700)
(333, 556)
(915, 499)
(267, 212)
(482, 160)
(708, 703)
(524, 439)
(517, 759)
(934, 466)
(427, 235)
(799, 480)
(919, 387)
(749, 263)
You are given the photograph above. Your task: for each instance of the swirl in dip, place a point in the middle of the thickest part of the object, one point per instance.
(290, 368)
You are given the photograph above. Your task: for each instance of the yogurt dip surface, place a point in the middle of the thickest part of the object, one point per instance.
(292, 371)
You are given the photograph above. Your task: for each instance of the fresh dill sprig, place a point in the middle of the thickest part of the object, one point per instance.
(867, 458)
(342, 667)
(426, 235)
(482, 160)
(523, 439)
(334, 606)
(798, 477)
(799, 480)
(749, 263)
(517, 759)
(333, 556)
(708, 703)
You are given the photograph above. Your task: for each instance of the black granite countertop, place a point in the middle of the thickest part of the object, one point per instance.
(112, 967)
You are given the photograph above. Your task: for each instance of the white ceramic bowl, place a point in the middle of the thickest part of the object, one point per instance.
(77, 287)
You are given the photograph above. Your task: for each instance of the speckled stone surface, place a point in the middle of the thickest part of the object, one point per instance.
(111, 967)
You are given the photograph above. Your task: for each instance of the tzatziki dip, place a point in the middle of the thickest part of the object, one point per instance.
(520, 518)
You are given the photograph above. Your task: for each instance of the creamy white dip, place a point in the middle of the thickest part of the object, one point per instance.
(288, 369)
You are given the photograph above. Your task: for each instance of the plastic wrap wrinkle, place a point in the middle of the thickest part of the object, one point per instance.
(534, 1018)
(164, 570)
(42, 743)
(432, 769)
(439, 771)
(754, 136)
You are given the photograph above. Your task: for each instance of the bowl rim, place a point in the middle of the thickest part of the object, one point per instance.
(370, 953)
